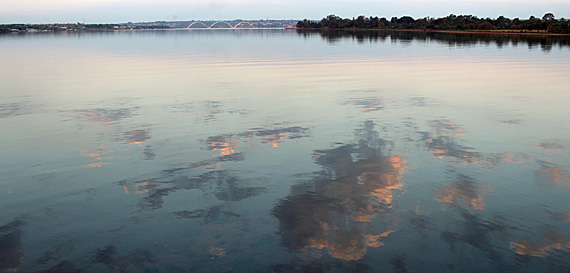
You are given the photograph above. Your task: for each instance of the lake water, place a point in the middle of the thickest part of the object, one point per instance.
(284, 151)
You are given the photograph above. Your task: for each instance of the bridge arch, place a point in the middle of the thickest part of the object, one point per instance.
(197, 23)
(220, 23)
(244, 23)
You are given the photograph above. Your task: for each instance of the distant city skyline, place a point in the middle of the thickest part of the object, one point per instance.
(120, 11)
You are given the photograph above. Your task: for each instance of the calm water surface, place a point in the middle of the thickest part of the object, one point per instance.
(284, 151)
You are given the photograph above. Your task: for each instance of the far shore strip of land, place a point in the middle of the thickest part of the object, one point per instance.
(495, 32)
(547, 25)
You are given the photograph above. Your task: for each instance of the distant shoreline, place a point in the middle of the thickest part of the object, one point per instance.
(499, 32)
(62, 27)
(450, 24)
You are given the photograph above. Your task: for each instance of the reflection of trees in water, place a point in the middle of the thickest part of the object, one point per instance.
(545, 42)
(335, 210)
(11, 250)
(335, 36)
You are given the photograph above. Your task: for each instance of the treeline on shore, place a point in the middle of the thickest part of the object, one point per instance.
(548, 23)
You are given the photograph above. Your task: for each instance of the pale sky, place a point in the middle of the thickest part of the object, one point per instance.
(119, 11)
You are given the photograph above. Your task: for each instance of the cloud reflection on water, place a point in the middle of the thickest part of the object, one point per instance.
(209, 215)
(228, 142)
(551, 147)
(318, 266)
(479, 233)
(8, 110)
(551, 242)
(138, 258)
(137, 136)
(209, 111)
(368, 104)
(334, 211)
(552, 173)
(441, 142)
(351, 215)
(226, 145)
(464, 191)
(221, 183)
(104, 116)
(98, 155)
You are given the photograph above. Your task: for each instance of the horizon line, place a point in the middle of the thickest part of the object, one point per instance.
(82, 21)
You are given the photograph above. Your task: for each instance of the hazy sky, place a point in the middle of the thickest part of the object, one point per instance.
(116, 11)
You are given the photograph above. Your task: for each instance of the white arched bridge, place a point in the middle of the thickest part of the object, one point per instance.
(221, 24)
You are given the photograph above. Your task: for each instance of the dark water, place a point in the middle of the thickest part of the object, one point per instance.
(284, 151)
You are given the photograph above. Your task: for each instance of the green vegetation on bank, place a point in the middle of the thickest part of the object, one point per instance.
(548, 23)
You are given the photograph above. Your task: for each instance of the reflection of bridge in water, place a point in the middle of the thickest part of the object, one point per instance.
(221, 24)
